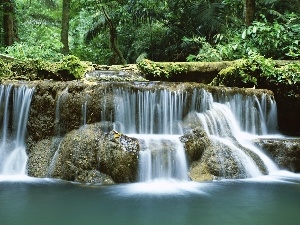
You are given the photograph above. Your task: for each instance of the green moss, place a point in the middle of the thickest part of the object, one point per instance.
(69, 69)
(5, 71)
(153, 69)
(237, 75)
(72, 67)
(32, 70)
(262, 73)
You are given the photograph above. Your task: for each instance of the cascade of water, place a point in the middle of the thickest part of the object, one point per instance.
(144, 113)
(149, 112)
(232, 123)
(15, 157)
(162, 157)
(4, 100)
(254, 115)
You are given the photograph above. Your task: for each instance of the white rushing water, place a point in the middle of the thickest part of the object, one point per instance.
(235, 121)
(59, 130)
(161, 157)
(154, 116)
(13, 150)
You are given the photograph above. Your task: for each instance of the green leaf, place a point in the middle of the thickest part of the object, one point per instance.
(244, 34)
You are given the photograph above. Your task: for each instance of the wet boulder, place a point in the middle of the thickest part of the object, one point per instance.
(195, 142)
(218, 161)
(90, 155)
(285, 152)
(210, 158)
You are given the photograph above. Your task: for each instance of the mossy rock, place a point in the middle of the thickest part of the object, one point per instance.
(72, 68)
(90, 149)
(5, 71)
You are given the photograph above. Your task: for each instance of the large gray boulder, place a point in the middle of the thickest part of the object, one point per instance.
(87, 155)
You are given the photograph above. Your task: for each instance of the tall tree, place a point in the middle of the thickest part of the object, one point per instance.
(113, 39)
(65, 26)
(9, 27)
(249, 11)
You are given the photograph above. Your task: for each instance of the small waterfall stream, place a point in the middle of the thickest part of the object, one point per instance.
(234, 122)
(59, 129)
(13, 150)
(153, 117)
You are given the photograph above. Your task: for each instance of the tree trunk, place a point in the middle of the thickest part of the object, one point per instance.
(8, 22)
(65, 26)
(249, 11)
(113, 38)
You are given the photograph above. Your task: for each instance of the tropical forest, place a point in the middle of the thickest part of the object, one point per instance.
(120, 32)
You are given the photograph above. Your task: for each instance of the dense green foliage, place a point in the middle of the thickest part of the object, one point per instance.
(193, 30)
(271, 39)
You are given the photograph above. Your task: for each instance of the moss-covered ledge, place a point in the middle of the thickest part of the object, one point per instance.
(203, 72)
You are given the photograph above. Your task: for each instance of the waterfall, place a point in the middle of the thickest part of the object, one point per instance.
(230, 120)
(234, 121)
(13, 150)
(149, 112)
(162, 157)
(154, 118)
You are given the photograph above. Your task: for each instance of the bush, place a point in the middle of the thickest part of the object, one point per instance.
(71, 67)
(151, 69)
(261, 72)
(5, 71)
(278, 40)
(207, 52)
(24, 51)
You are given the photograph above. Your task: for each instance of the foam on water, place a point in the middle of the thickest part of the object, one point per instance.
(163, 187)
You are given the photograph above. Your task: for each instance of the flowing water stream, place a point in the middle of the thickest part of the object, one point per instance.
(13, 150)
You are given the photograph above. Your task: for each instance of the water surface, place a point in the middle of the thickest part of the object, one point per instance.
(268, 200)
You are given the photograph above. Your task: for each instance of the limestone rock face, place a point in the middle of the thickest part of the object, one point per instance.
(288, 114)
(57, 107)
(211, 159)
(285, 152)
(39, 159)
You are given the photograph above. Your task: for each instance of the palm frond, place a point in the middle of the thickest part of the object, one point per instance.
(97, 28)
(208, 15)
